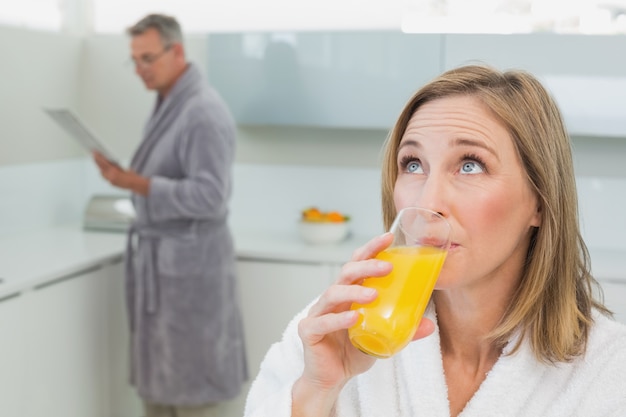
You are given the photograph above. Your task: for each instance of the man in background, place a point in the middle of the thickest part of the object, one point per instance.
(187, 346)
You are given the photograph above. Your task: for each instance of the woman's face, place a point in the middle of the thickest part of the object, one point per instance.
(456, 158)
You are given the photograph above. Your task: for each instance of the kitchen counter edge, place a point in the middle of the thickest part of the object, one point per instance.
(30, 259)
(34, 258)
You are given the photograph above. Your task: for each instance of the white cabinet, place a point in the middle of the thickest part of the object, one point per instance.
(330, 79)
(66, 347)
(65, 344)
(540, 53)
(12, 355)
(363, 79)
(272, 293)
(123, 398)
(585, 74)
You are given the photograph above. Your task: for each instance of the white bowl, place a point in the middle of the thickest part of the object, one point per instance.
(323, 232)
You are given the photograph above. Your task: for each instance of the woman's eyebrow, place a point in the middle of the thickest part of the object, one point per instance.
(454, 142)
(409, 142)
(475, 143)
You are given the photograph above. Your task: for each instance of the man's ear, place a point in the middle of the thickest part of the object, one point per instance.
(179, 51)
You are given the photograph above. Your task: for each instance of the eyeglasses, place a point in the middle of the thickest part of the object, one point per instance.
(147, 60)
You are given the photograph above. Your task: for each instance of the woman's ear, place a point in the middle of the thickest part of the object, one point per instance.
(537, 217)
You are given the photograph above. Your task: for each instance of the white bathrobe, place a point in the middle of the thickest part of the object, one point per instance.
(412, 382)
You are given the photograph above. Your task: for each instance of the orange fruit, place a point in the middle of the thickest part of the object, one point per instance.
(334, 216)
(312, 214)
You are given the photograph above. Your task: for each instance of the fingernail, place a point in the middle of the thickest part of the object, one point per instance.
(350, 315)
(369, 292)
(383, 236)
(382, 265)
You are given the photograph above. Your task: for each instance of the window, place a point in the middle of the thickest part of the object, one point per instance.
(515, 16)
(440, 16)
(34, 14)
(114, 16)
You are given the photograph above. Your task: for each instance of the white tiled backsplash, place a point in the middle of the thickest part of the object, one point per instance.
(271, 197)
(601, 204)
(268, 198)
(40, 195)
(34, 196)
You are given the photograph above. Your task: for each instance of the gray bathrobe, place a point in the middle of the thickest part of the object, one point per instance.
(187, 345)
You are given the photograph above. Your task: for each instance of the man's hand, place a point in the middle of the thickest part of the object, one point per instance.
(119, 177)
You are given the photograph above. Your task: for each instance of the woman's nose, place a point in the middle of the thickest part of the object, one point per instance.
(433, 195)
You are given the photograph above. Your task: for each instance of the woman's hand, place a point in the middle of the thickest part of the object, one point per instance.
(330, 360)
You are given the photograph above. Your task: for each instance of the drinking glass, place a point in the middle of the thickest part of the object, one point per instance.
(417, 253)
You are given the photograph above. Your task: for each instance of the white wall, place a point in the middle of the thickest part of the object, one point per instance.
(598, 156)
(37, 69)
(113, 100)
(340, 166)
(40, 194)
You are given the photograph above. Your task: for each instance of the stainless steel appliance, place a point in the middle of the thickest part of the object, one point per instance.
(109, 212)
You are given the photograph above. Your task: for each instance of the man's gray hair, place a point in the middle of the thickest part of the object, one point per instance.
(167, 26)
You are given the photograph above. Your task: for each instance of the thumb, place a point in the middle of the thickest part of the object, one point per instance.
(425, 328)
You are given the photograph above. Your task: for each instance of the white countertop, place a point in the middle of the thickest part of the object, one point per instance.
(30, 259)
(288, 247)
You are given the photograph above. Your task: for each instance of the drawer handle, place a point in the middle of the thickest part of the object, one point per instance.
(10, 297)
(68, 277)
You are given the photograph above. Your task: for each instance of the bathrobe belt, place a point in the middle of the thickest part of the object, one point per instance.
(146, 283)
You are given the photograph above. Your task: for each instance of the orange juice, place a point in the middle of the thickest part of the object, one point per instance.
(388, 323)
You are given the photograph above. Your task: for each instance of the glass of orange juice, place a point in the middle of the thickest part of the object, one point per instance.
(418, 251)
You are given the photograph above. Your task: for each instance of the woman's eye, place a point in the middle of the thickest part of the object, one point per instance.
(413, 167)
(471, 167)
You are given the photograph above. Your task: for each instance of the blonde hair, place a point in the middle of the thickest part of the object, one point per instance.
(552, 306)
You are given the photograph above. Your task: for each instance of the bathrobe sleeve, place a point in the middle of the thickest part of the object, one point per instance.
(204, 153)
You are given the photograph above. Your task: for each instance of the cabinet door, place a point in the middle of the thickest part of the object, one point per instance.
(584, 73)
(271, 294)
(66, 344)
(330, 79)
(12, 358)
(540, 53)
(124, 401)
